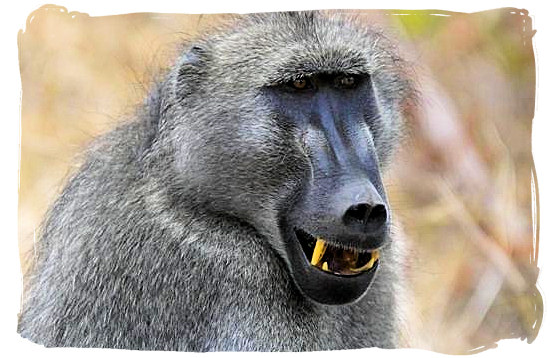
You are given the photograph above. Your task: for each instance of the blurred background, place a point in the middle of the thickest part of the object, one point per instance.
(463, 185)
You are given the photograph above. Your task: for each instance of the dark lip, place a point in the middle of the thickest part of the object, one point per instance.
(320, 286)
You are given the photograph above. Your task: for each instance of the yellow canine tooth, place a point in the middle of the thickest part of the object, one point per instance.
(374, 255)
(318, 251)
(325, 266)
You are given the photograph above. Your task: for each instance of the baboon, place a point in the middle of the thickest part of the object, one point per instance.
(243, 208)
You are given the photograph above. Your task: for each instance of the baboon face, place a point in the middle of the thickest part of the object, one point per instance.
(339, 218)
(292, 120)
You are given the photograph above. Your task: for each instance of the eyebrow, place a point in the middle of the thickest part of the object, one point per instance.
(329, 63)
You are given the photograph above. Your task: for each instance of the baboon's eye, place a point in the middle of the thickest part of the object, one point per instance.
(300, 83)
(346, 81)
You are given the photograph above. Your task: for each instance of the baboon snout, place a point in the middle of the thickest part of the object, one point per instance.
(346, 213)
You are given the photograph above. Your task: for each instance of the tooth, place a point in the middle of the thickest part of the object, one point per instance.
(318, 251)
(374, 255)
(325, 266)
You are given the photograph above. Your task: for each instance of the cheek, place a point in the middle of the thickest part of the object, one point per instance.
(278, 165)
(248, 167)
(263, 166)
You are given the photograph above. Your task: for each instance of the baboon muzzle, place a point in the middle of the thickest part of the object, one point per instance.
(344, 201)
(349, 214)
(339, 218)
(338, 226)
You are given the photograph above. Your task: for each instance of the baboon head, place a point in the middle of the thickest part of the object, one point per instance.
(284, 122)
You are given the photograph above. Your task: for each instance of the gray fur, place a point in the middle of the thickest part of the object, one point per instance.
(167, 237)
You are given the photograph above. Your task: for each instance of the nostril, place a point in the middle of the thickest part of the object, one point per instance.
(373, 217)
(377, 218)
(359, 212)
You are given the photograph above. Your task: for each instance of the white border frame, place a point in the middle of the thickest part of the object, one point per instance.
(15, 18)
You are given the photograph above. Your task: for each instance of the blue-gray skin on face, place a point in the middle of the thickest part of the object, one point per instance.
(185, 229)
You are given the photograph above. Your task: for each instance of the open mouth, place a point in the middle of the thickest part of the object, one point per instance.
(333, 259)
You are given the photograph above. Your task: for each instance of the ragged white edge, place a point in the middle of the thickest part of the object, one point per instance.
(16, 20)
(534, 216)
(109, 7)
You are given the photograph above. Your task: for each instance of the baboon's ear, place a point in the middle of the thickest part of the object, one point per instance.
(195, 55)
(192, 65)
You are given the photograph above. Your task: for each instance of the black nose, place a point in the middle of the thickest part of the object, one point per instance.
(371, 217)
(345, 211)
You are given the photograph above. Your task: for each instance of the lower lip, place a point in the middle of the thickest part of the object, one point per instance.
(324, 287)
